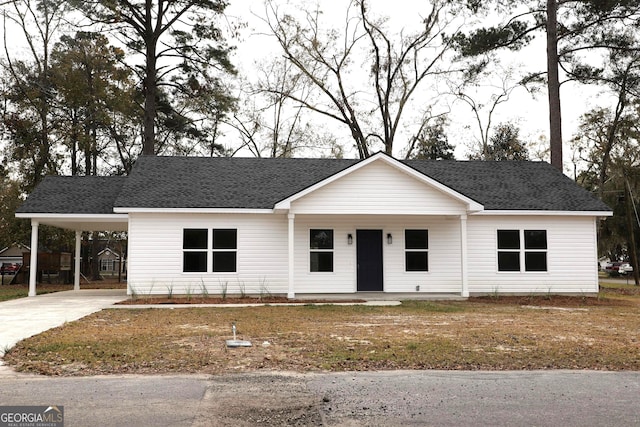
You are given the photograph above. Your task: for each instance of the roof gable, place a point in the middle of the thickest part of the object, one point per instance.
(14, 250)
(376, 188)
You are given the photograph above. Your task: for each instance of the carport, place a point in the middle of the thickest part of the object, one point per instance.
(79, 203)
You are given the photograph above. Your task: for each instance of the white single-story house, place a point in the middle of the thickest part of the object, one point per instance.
(336, 226)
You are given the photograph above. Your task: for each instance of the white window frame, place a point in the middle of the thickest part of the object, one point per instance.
(420, 250)
(314, 250)
(214, 250)
(205, 250)
(522, 251)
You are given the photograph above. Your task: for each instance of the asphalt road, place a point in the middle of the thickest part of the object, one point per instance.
(429, 398)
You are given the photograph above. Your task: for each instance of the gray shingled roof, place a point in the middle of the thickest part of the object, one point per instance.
(192, 182)
(511, 185)
(74, 195)
(200, 182)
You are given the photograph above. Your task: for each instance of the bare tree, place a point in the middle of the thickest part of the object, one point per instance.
(268, 122)
(495, 85)
(372, 105)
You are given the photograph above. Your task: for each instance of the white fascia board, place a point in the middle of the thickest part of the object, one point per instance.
(80, 221)
(543, 213)
(472, 205)
(75, 217)
(194, 210)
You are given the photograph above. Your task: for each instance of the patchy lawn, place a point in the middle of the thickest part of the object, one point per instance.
(546, 332)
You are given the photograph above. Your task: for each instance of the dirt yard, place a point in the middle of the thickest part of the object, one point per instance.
(495, 333)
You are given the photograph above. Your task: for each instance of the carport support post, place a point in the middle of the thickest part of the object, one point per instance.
(291, 292)
(76, 264)
(463, 256)
(33, 262)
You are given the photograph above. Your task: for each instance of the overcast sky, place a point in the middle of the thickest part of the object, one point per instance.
(531, 114)
(528, 113)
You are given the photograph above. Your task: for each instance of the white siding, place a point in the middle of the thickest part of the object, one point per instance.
(377, 188)
(155, 254)
(571, 255)
(444, 254)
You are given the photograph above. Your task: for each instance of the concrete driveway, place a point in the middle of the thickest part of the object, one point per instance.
(25, 317)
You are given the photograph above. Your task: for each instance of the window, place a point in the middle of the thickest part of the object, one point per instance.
(416, 246)
(321, 247)
(194, 246)
(107, 265)
(510, 249)
(535, 250)
(225, 248)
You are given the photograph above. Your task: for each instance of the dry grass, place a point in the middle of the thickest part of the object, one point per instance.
(491, 333)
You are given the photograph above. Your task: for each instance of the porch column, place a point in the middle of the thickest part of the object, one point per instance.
(291, 292)
(33, 262)
(76, 265)
(463, 256)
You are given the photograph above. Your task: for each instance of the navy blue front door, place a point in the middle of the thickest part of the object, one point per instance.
(369, 258)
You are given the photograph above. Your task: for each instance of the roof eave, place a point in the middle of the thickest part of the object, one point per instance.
(525, 212)
(128, 210)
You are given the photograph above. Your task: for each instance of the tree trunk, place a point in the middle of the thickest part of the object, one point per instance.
(632, 235)
(74, 142)
(148, 145)
(95, 264)
(555, 116)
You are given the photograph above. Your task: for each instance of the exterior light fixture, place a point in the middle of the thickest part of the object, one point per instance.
(389, 238)
(350, 238)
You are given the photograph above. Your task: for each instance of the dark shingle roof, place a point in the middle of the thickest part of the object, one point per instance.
(197, 182)
(202, 182)
(511, 185)
(74, 195)
(250, 183)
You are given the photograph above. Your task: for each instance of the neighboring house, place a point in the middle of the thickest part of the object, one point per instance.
(109, 262)
(13, 254)
(314, 226)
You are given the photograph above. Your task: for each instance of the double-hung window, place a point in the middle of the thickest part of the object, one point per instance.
(194, 250)
(511, 251)
(321, 250)
(225, 249)
(416, 250)
(535, 250)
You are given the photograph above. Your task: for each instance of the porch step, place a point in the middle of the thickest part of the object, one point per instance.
(382, 296)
